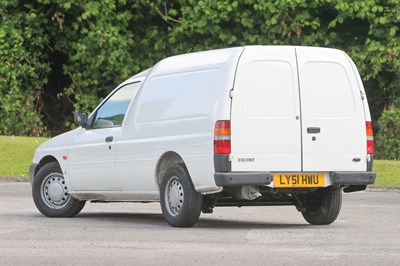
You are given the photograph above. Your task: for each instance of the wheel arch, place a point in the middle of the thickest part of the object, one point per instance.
(45, 160)
(165, 161)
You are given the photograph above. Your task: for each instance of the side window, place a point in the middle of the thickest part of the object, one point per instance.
(112, 112)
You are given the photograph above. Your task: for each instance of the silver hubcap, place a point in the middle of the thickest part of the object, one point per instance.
(54, 192)
(174, 196)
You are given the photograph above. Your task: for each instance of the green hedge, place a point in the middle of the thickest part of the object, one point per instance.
(388, 138)
(60, 55)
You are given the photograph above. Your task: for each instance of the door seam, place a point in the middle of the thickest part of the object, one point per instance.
(301, 113)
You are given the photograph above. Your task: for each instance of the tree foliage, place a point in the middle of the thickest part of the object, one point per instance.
(61, 55)
(388, 140)
(23, 71)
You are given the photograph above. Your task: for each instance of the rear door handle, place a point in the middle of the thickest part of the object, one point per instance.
(109, 139)
(313, 130)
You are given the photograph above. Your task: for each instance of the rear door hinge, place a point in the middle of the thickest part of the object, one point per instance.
(231, 93)
(362, 95)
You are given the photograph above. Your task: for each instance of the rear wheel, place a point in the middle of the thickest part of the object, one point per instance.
(51, 195)
(180, 203)
(323, 206)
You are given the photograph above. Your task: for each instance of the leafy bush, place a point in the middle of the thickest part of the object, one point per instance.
(23, 71)
(388, 139)
(61, 55)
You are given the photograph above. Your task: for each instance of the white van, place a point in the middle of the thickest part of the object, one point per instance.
(243, 126)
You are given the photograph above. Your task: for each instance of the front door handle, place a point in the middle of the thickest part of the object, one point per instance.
(109, 139)
(313, 130)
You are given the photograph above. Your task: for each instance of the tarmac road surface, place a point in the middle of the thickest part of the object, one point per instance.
(367, 232)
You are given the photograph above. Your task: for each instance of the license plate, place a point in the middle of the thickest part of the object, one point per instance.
(305, 180)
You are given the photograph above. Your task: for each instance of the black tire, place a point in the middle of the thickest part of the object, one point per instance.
(323, 207)
(180, 203)
(51, 195)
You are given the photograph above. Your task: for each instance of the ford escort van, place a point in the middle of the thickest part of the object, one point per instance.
(242, 126)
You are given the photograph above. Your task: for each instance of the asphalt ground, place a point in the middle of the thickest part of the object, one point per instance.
(367, 232)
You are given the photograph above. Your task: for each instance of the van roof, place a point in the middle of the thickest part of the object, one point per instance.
(200, 59)
(139, 75)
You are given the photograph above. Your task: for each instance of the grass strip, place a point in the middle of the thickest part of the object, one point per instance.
(16, 155)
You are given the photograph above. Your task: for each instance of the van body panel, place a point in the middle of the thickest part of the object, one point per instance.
(265, 123)
(57, 148)
(175, 110)
(91, 160)
(331, 101)
(297, 109)
(367, 112)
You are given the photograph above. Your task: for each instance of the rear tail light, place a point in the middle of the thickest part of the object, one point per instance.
(370, 138)
(222, 137)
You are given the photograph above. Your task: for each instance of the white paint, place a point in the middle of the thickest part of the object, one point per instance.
(331, 100)
(278, 91)
(264, 110)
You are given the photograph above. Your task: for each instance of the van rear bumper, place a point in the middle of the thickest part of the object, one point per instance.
(353, 178)
(230, 179)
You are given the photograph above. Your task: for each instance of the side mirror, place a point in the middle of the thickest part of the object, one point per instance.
(81, 118)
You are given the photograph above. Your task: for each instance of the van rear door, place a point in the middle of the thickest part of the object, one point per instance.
(333, 119)
(265, 122)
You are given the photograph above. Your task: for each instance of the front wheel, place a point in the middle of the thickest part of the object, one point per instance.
(50, 193)
(180, 203)
(323, 206)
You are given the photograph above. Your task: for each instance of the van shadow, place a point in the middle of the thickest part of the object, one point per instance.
(248, 224)
(128, 218)
(155, 219)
